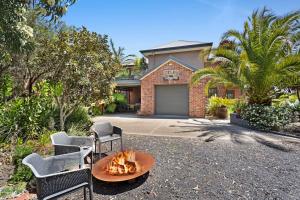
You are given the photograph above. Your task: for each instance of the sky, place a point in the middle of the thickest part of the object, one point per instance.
(142, 24)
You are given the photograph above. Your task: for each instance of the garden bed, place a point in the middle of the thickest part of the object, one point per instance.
(290, 132)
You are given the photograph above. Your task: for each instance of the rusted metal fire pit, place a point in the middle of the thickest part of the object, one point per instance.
(99, 171)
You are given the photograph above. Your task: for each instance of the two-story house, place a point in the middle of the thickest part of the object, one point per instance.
(165, 88)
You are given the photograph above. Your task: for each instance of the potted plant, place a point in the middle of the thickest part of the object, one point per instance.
(222, 112)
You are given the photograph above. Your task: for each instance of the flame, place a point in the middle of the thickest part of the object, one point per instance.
(123, 163)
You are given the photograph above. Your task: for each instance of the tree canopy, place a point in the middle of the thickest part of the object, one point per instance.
(260, 57)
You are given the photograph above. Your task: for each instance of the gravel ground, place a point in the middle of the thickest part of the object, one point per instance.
(189, 168)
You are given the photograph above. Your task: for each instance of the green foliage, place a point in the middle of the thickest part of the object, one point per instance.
(95, 110)
(85, 69)
(285, 100)
(260, 57)
(6, 86)
(111, 108)
(22, 172)
(10, 190)
(25, 117)
(216, 102)
(21, 151)
(267, 117)
(14, 28)
(114, 101)
(119, 98)
(239, 105)
(80, 118)
(77, 130)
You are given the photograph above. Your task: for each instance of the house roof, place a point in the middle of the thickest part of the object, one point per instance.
(170, 58)
(178, 44)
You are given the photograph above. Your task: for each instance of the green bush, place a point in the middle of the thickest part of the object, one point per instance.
(95, 110)
(119, 98)
(78, 117)
(216, 102)
(21, 151)
(116, 100)
(267, 117)
(77, 130)
(238, 105)
(111, 108)
(25, 117)
(22, 173)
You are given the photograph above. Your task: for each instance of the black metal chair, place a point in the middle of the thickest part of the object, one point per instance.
(59, 175)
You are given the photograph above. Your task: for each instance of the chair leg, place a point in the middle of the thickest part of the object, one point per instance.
(84, 193)
(95, 146)
(121, 144)
(99, 150)
(91, 191)
(110, 145)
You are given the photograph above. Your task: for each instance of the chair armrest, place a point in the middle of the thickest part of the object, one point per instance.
(117, 130)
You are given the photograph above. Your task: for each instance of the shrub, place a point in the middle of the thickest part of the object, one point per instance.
(22, 173)
(111, 108)
(116, 100)
(25, 117)
(119, 98)
(267, 117)
(238, 105)
(77, 130)
(78, 117)
(216, 102)
(95, 110)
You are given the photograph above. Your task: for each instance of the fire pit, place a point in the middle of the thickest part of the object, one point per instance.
(123, 166)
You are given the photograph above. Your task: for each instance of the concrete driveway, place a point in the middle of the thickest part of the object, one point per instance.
(208, 130)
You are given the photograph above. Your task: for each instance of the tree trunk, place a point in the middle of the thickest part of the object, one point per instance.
(61, 119)
(298, 93)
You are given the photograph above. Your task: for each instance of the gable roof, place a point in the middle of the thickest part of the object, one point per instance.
(170, 58)
(178, 44)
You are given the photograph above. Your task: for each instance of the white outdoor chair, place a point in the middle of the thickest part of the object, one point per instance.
(105, 132)
(59, 175)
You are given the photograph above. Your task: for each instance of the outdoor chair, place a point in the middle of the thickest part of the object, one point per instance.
(68, 144)
(59, 175)
(105, 132)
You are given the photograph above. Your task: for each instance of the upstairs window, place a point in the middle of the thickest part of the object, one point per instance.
(212, 92)
(230, 94)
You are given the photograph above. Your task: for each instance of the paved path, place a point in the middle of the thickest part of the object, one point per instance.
(205, 129)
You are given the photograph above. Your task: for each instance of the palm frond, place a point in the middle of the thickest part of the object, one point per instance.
(289, 63)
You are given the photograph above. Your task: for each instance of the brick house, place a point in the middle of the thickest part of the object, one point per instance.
(165, 89)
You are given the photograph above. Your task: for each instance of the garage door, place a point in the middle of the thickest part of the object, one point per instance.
(171, 100)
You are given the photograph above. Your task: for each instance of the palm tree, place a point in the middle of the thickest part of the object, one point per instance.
(259, 58)
(119, 54)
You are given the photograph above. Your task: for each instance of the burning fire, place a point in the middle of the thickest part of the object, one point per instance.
(123, 163)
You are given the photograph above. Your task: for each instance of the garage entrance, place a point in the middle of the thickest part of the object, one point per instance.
(171, 100)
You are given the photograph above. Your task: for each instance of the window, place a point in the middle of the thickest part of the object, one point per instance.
(212, 92)
(230, 94)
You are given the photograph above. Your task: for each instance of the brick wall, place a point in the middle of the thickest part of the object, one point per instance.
(197, 98)
(135, 95)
